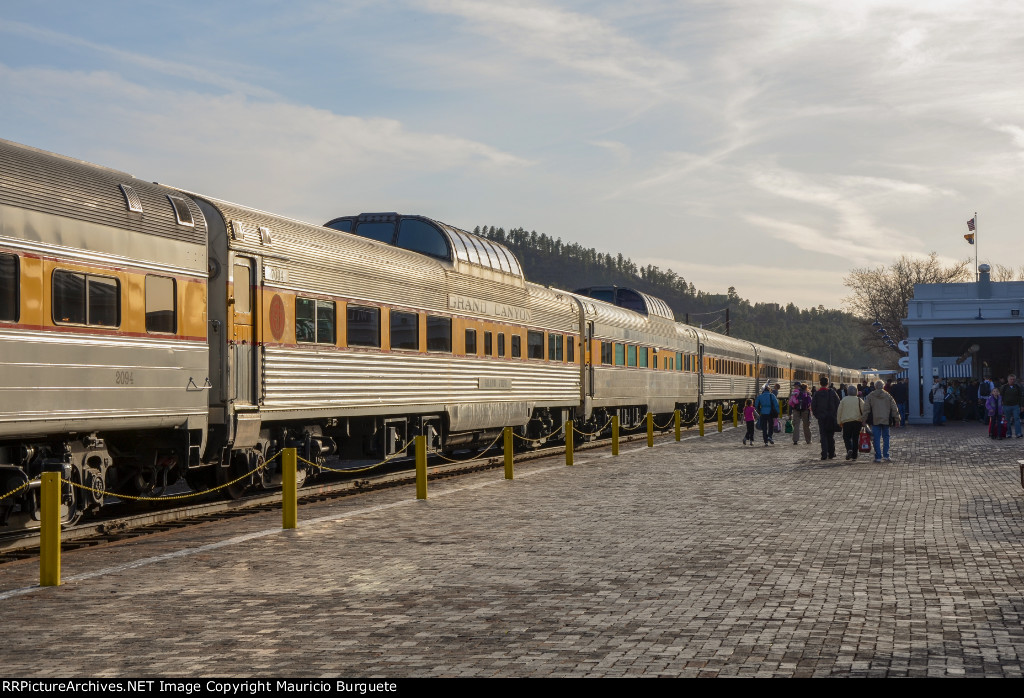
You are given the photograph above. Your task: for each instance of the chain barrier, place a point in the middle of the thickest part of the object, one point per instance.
(479, 455)
(594, 433)
(19, 488)
(539, 438)
(394, 455)
(173, 497)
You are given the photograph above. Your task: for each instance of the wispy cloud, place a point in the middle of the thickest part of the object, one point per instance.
(265, 153)
(581, 43)
(171, 68)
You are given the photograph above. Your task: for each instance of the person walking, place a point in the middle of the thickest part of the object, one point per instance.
(882, 413)
(901, 394)
(749, 417)
(767, 406)
(851, 416)
(994, 409)
(1012, 397)
(937, 396)
(984, 390)
(800, 411)
(824, 405)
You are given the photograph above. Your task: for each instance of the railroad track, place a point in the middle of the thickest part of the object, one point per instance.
(118, 527)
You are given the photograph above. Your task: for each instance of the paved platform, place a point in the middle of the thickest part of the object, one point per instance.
(700, 558)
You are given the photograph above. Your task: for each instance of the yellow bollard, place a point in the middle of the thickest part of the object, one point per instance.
(679, 420)
(289, 493)
(719, 418)
(508, 453)
(700, 419)
(421, 467)
(615, 436)
(650, 430)
(49, 532)
(568, 443)
(735, 415)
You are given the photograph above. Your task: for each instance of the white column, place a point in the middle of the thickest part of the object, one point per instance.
(926, 377)
(914, 383)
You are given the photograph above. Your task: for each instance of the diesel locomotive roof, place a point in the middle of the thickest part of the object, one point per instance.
(430, 237)
(40, 181)
(630, 299)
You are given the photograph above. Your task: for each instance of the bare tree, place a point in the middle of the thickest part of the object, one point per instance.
(1001, 272)
(882, 293)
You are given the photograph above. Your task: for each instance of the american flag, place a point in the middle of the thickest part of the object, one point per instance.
(970, 224)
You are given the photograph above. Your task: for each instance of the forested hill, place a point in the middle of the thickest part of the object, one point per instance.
(828, 335)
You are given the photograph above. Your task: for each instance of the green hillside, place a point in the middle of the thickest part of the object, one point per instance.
(829, 335)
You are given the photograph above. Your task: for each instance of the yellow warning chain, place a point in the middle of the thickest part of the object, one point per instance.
(479, 455)
(394, 455)
(667, 424)
(172, 497)
(19, 488)
(539, 438)
(593, 433)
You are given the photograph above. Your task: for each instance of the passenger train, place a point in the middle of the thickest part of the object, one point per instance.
(149, 333)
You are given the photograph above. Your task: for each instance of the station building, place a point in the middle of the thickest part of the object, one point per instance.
(965, 331)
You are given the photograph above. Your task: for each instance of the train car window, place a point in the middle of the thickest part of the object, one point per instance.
(161, 304)
(363, 326)
(631, 355)
(517, 347)
(420, 236)
(314, 321)
(555, 347)
(642, 355)
(243, 282)
(470, 341)
(439, 333)
(534, 345)
(325, 324)
(679, 361)
(488, 344)
(607, 357)
(103, 303)
(85, 299)
(501, 344)
(620, 354)
(343, 226)
(630, 300)
(405, 330)
(603, 294)
(570, 349)
(9, 302)
(382, 232)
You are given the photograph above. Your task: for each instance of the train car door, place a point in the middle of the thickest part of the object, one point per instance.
(700, 370)
(243, 350)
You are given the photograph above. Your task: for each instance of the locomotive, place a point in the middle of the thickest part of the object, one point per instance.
(149, 333)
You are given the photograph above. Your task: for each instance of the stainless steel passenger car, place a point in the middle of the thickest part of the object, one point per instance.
(103, 352)
(147, 333)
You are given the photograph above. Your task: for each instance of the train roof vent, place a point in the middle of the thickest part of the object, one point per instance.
(181, 211)
(631, 299)
(131, 198)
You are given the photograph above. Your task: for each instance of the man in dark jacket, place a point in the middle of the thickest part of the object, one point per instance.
(824, 405)
(1012, 398)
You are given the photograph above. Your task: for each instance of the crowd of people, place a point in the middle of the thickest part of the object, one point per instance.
(996, 403)
(853, 410)
(848, 409)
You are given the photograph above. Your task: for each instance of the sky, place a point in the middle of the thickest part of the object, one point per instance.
(769, 145)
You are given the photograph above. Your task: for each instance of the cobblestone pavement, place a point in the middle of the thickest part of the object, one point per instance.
(704, 558)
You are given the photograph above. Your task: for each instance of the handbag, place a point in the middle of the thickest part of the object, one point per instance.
(864, 444)
(789, 426)
(777, 426)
